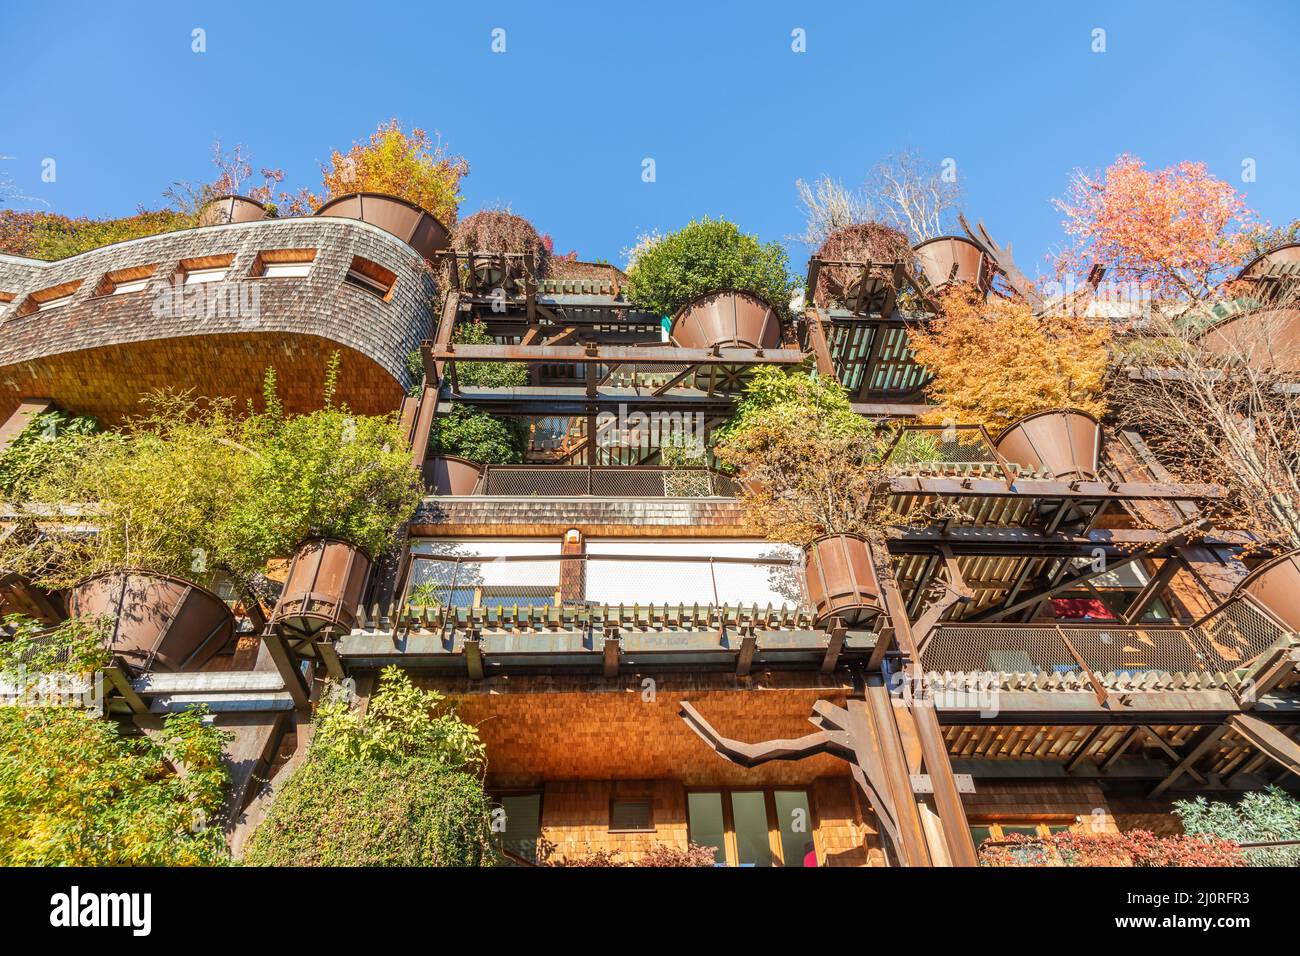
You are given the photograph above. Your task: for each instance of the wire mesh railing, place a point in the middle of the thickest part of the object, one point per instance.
(1227, 640)
(944, 449)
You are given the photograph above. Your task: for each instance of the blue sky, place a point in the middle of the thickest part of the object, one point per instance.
(559, 124)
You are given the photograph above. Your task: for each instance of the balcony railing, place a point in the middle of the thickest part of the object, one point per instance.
(613, 482)
(1227, 640)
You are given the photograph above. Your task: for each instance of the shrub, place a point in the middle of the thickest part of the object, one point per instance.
(660, 855)
(328, 472)
(1260, 817)
(808, 462)
(707, 255)
(1131, 848)
(410, 166)
(75, 792)
(486, 374)
(392, 789)
(863, 242)
(47, 235)
(49, 441)
(478, 436)
(499, 230)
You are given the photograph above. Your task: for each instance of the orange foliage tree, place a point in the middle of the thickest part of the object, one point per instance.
(995, 360)
(1176, 232)
(410, 165)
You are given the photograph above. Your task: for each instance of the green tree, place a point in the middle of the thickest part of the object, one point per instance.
(478, 436)
(395, 788)
(706, 255)
(49, 441)
(75, 792)
(486, 374)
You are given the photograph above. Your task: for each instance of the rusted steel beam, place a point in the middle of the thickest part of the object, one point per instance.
(1269, 740)
(817, 339)
(1198, 750)
(1152, 591)
(635, 354)
(423, 425)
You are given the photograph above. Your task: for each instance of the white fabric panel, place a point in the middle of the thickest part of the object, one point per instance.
(691, 582)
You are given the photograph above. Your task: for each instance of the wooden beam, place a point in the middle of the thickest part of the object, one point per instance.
(1198, 750)
(1170, 752)
(1152, 591)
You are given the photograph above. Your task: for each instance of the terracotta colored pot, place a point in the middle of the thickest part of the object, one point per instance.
(450, 475)
(160, 622)
(226, 209)
(1276, 585)
(414, 226)
(842, 579)
(1263, 338)
(727, 319)
(948, 259)
(1262, 263)
(1065, 441)
(18, 595)
(327, 578)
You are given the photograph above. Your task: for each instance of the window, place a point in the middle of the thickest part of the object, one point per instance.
(486, 572)
(371, 276)
(732, 580)
(51, 298)
(283, 263)
(204, 269)
(125, 281)
(522, 819)
(1000, 830)
(753, 827)
(630, 816)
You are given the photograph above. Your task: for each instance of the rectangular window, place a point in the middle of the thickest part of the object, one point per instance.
(283, 263)
(630, 816)
(205, 269)
(753, 827)
(706, 824)
(485, 572)
(125, 281)
(51, 298)
(371, 276)
(732, 579)
(523, 824)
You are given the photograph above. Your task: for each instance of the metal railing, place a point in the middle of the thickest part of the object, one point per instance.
(1226, 640)
(628, 481)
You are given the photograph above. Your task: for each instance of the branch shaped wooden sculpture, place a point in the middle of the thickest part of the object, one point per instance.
(843, 734)
(1001, 258)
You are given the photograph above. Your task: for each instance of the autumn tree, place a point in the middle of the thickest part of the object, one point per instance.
(994, 360)
(1177, 233)
(411, 166)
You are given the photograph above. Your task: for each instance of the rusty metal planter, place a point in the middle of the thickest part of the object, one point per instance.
(327, 577)
(842, 579)
(18, 595)
(451, 475)
(160, 622)
(728, 319)
(949, 259)
(1065, 441)
(227, 209)
(416, 227)
(1275, 584)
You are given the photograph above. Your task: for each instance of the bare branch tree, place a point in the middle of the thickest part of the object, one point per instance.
(828, 205)
(914, 195)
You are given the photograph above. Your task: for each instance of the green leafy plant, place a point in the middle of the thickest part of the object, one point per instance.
(391, 789)
(707, 255)
(660, 855)
(486, 374)
(1260, 817)
(50, 440)
(327, 472)
(478, 436)
(77, 646)
(75, 792)
(809, 464)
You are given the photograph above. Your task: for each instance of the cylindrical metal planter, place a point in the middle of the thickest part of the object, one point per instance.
(160, 622)
(842, 579)
(727, 319)
(327, 578)
(450, 475)
(1276, 585)
(1064, 441)
(950, 259)
(227, 209)
(417, 227)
